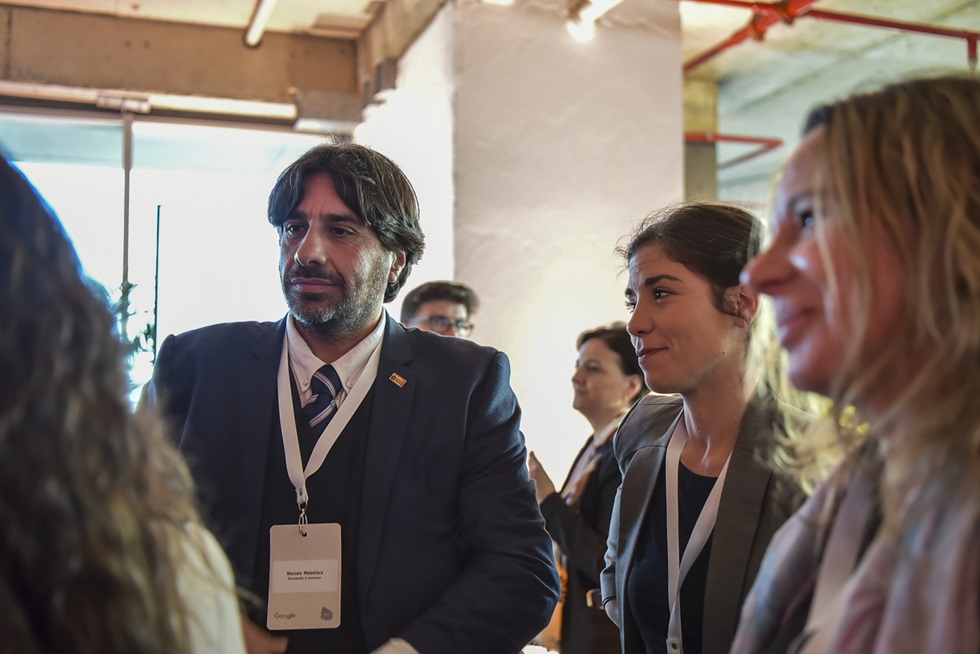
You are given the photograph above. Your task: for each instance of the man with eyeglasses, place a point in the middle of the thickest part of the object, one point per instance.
(441, 307)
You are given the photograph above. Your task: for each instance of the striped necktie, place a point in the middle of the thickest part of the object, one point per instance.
(322, 406)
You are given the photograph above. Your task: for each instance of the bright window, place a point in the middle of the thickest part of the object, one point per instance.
(218, 255)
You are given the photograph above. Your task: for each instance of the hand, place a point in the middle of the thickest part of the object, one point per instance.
(612, 610)
(543, 486)
(260, 641)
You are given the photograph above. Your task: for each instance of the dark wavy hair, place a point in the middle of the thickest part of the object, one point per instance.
(93, 499)
(435, 291)
(711, 239)
(374, 188)
(716, 241)
(618, 340)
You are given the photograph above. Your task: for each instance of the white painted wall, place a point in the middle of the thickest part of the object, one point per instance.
(560, 147)
(414, 126)
(533, 155)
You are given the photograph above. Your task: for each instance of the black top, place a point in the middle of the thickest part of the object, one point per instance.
(647, 584)
(581, 531)
(335, 493)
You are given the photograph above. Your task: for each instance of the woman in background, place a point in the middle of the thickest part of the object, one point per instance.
(101, 549)
(874, 270)
(699, 501)
(607, 381)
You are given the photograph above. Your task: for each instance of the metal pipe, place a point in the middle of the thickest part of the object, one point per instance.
(125, 287)
(156, 289)
(256, 26)
(874, 21)
(766, 144)
(918, 28)
(765, 15)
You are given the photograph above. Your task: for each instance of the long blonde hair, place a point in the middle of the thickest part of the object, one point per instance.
(903, 164)
(94, 501)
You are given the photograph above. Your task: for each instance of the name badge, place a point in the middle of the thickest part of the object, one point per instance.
(304, 577)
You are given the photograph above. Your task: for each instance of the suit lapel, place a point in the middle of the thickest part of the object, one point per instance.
(653, 424)
(574, 463)
(257, 385)
(394, 393)
(741, 506)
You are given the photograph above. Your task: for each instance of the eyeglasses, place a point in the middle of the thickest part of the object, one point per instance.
(443, 324)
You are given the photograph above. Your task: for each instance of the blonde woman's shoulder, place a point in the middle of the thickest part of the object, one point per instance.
(207, 585)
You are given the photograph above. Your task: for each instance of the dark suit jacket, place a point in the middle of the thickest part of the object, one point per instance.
(753, 506)
(453, 555)
(581, 531)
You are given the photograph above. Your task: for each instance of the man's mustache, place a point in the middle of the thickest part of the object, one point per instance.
(314, 273)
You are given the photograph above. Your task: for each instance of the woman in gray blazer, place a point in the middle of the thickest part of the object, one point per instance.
(698, 503)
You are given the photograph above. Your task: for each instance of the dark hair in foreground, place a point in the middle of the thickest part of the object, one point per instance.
(374, 188)
(618, 340)
(93, 500)
(436, 291)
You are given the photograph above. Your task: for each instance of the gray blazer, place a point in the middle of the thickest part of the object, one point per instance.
(753, 506)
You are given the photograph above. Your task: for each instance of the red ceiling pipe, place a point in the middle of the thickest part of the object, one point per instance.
(764, 17)
(872, 21)
(766, 144)
(768, 14)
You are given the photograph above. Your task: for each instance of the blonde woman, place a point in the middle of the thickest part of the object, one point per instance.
(101, 550)
(874, 269)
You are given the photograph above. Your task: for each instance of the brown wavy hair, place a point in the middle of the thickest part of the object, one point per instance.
(617, 339)
(94, 500)
(716, 240)
(371, 185)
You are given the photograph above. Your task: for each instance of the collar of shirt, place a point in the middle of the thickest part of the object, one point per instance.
(304, 363)
(603, 435)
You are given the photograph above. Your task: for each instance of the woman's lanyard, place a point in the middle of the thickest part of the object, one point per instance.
(839, 559)
(678, 567)
(287, 423)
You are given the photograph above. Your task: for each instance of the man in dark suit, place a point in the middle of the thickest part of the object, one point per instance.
(337, 440)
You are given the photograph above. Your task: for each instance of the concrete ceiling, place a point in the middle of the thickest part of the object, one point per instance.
(764, 87)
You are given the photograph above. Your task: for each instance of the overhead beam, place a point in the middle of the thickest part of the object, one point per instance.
(86, 52)
(395, 26)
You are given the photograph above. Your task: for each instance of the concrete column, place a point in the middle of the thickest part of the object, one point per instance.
(700, 159)
(558, 148)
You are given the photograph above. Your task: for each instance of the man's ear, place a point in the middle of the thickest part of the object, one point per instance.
(746, 305)
(397, 265)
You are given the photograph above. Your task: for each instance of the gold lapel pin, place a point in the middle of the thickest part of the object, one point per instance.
(397, 380)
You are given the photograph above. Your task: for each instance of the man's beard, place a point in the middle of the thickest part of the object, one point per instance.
(326, 316)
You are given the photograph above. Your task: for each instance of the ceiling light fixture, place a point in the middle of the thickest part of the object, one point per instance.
(583, 15)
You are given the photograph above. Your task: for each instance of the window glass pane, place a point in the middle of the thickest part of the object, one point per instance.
(218, 255)
(88, 201)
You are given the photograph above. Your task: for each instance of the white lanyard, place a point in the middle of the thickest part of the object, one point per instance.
(677, 572)
(840, 557)
(287, 423)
